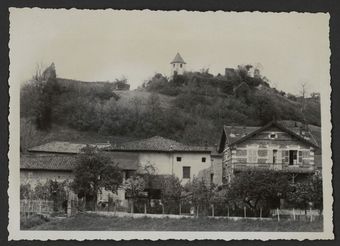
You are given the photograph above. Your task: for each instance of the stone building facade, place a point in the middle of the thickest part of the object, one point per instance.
(271, 147)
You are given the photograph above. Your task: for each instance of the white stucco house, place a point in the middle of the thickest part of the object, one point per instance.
(167, 156)
(56, 161)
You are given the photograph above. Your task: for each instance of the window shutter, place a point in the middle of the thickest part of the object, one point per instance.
(252, 155)
(285, 156)
(299, 156)
(305, 154)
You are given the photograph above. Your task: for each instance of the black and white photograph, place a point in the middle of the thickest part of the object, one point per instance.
(140, 124)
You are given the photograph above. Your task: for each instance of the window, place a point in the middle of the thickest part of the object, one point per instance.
(293, 157)
(179, 159)
(186, 172)
(274, 156)
(181, 65)
(211, 178)
(204, 159)
(252, 156)
(173, 65)
(272, 136)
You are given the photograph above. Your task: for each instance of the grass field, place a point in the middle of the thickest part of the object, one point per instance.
(102, 223)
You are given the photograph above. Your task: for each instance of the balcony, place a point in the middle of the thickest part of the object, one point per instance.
(300, 168)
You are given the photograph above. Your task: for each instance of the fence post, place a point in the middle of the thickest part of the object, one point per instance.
(145, 208)
(69, 207)
(261, 213)
(180, 208)
(212, 210)
(228, 211)
(40, 206)
(245, 212)
(278, 214)
(108, 202)
(294, 214)
(311, 215)
(197, 210)
(162, 208)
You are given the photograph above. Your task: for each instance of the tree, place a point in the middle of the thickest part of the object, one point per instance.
(133, 187)
(303, 93)
(171, 190)
(48, 90)
(29, 135)
(307, 193)
(200, 194)
(95, 171)
(258, 188)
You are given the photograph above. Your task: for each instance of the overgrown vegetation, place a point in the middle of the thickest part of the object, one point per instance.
(201, 104)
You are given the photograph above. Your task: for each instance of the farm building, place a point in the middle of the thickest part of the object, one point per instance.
(276, 146)
(167, 156)
(56, 160)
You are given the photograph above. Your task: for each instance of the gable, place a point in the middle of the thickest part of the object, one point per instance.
(236, 135)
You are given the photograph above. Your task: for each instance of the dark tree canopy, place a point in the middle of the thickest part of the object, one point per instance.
(95, 171)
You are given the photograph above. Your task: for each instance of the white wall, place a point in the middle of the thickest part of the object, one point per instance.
(176, 67)
(166, 163)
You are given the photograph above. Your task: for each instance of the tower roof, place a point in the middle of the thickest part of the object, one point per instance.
(178, 59)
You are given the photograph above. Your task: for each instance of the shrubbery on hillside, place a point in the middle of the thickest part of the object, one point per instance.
(201, 105)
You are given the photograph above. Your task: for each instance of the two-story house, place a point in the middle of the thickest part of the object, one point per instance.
(273, 146)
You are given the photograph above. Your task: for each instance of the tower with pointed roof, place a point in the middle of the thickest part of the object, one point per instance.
(177, 65)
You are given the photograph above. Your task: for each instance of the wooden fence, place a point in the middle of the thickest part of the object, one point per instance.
(29, 207)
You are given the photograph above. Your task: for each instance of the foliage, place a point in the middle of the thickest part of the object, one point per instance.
(133, 187)
(257, 189)
(200, 104)
(200, 194)
(95, 171)
(49, 190)
(306, 193)
(171, 190)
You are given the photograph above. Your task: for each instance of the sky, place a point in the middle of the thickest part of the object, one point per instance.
(97, 45)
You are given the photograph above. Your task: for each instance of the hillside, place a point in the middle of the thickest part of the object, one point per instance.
(191, 108)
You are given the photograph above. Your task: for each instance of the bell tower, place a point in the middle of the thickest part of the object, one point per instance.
(177, 65)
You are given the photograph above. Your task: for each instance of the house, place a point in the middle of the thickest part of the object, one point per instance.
(56, 161)
(273, 146)
(213, 174)
(177, 65)
(167, 156)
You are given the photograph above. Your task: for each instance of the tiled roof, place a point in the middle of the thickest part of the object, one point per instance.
(235, 134)
(65, 147)
(59, 162)
(158, 144)
(178, 59)
(314, 131)
(48, 162)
